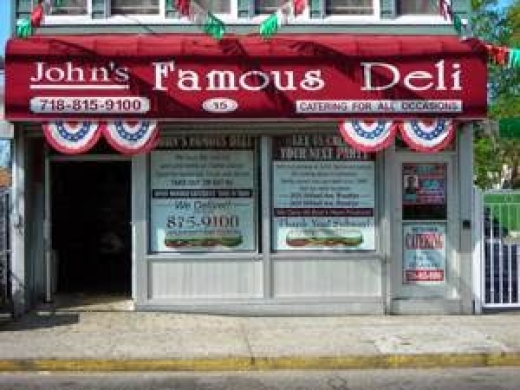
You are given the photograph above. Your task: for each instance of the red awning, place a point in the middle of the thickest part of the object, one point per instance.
(184, 77)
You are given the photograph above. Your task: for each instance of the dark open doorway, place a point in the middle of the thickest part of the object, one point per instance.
(91, 235)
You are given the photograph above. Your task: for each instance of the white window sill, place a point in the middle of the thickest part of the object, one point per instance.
(62, 20)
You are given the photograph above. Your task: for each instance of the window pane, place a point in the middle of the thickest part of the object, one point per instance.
(323, 195)
(416, 7)
(71, 7)
(350, 7)
(216, 6)
(203, 194)
(135, 7)
(267, 6)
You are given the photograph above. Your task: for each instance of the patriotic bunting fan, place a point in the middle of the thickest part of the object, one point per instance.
(131, 137)
(427, 135)
(71, 137)
(368, 136)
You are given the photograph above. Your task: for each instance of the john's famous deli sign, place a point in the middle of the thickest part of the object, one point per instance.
(195, 77)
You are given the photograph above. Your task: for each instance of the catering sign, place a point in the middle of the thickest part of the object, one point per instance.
(297, 76)
(424, 250)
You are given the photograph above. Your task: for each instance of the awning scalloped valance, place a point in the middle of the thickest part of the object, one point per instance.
(127, 137)
(421, 135)
(134, 137)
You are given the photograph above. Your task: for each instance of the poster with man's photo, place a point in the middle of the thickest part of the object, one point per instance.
(424, 190)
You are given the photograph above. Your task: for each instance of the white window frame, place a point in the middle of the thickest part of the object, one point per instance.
(64, 20)
(424, 19)
(352, 19)
(69, 19)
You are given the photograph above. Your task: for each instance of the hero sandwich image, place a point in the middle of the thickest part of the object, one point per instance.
(203, 239)
(314, 237)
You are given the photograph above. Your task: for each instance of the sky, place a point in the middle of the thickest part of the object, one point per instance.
(5, 6)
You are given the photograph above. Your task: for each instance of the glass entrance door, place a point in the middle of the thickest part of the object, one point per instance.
(424, 228)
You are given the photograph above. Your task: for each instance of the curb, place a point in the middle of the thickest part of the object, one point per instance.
(266, 363)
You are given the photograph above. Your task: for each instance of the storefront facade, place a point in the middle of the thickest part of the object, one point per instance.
(303, 174)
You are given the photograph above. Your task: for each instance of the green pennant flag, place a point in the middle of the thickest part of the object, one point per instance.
(270, 26)
(24, 28)
(214, 26)
(457, 23)
(514, 58)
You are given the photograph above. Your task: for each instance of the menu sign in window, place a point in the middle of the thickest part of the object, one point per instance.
(424, 191)
(424, 250)
(202, 195)
(323, 195)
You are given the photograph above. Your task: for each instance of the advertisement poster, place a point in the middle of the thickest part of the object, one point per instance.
(424, 184)
(202, 195)
(323, 195)
(424, 252)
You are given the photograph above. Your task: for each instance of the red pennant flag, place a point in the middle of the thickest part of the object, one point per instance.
(183, 7)
(299, 6)
(445, 10)
(499, 54)
(37, 15)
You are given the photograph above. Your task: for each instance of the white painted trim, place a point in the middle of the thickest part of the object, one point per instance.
(18, 284)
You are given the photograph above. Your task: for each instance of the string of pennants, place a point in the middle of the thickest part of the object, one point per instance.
(283, 15)
(426, 136)
(127, 137)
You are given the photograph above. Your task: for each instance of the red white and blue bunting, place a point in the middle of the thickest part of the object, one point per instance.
(368, 136)
(79, 137)
(427, 135)
(71, 137)
(131, 137)
(421, 135)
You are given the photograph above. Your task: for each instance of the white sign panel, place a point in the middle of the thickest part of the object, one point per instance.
(424, 250)
(203, 199)
(323, 195)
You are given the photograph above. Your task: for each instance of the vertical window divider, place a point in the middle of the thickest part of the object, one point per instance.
(266, 191)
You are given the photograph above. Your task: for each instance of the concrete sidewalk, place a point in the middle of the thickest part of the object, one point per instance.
(97, 340)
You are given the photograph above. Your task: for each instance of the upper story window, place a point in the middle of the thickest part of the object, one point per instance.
(417, 7)
(266, 6)
(350, 7)
(216, 6)
(71, 7)
(134, 7)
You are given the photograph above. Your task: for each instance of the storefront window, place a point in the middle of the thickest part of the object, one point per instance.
(323, 195)
(203, 195)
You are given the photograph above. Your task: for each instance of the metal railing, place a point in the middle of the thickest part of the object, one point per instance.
(501, 242)
(5, 251)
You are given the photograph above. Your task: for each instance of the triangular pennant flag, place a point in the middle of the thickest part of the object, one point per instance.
(299, 6)
(445, 10)
(23, 28)
(514, 58)
(37, 15)
(214, 26)
(270, 26)
(183, 7)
